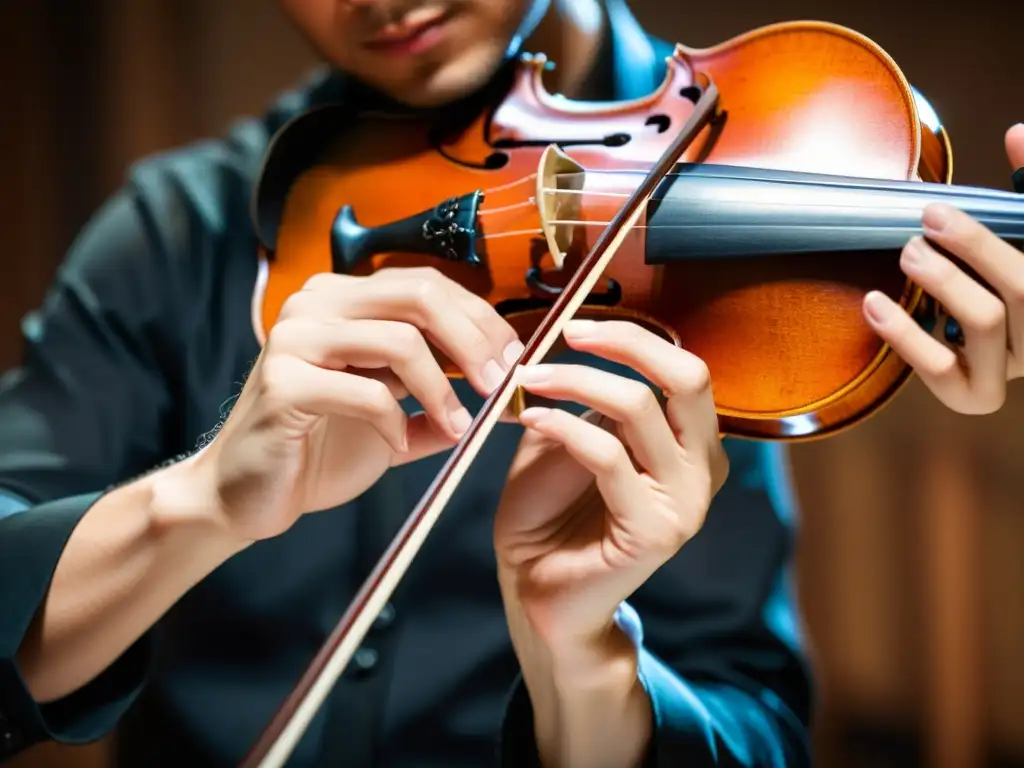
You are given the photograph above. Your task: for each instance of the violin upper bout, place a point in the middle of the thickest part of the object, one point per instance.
(936, 164)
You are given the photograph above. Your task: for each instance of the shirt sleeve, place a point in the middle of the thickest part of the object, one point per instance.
(87, 407)
(718, 637)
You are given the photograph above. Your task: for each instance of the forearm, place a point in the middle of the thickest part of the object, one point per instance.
(590, 709)
(132, 556)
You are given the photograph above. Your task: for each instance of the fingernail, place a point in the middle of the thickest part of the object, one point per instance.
(533, 415)
(534, 374)
(512, 352)
(874, 306)
(493, 375)
(914, 254)
(459, 419)
(580, 328)
(936, 217)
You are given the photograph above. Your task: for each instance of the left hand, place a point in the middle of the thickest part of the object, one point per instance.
(972, 379)
(568, 556)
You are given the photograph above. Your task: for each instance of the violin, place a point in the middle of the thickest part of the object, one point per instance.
(742, 210)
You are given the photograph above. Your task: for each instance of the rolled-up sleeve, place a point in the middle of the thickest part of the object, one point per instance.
(87, 408)
(31, 542)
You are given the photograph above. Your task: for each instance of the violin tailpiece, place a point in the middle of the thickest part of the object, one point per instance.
(447, 231)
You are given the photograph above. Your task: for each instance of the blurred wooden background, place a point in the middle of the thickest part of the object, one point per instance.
(911, 567)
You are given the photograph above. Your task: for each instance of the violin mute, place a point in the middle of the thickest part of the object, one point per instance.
(521, 400)
(517, 404)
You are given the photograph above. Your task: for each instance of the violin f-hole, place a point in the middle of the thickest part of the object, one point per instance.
(610, 298)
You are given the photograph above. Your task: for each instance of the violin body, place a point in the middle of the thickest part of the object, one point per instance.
(508, 200)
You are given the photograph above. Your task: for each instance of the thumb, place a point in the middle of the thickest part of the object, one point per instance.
(425, 439)
(1015, 146)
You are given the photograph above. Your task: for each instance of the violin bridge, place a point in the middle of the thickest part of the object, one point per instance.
(559, 187)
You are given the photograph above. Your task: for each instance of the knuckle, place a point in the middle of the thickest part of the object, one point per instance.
(294, 306)
(378, 401)
(640, 400)
(319, 281)
(407, 341)
(428, 295)
(476, 346)
(942, 366)
(277, 380)
(988, 317)
(609, 453)
(694, 376)
(286, 335)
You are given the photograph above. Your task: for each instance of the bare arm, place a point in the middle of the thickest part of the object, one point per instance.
(136, 551)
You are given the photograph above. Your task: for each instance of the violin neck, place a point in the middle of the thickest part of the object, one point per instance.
(707, 211)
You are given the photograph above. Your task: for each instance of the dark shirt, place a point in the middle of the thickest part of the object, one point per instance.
(134, 356)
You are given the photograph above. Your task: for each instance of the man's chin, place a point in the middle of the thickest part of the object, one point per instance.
(454, 81)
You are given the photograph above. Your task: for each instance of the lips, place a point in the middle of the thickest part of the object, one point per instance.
(414, 30)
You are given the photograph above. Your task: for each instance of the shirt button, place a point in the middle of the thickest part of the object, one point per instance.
(8, 736)
(364, 661)
(385, 618)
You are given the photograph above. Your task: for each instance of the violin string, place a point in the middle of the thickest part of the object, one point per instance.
(509, 185)
(889, 206)
(530, 204)
(513, 233)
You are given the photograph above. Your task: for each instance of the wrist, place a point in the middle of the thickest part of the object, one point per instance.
(589, 704)
(604, 661)
(183, 501)
(587, 647)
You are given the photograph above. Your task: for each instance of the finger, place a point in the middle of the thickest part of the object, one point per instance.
(682, 376)
(996, 261)
(980, 314)
(385, 376)
(292, 383)
(476, 341)
(936, 364)
(495, 327)
(376, 344)
(541, 462)
(629, 402)
(423, 438)
(1015, 146)
(596, 450)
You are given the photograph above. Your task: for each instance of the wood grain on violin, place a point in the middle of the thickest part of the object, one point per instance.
(761, 274)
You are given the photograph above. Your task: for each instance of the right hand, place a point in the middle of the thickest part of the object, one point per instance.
(318, 420)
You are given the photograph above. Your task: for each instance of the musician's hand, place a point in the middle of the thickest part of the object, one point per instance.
(565, 564)
(319, 421)
(971, 379)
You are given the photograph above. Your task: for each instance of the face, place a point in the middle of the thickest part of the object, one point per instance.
(420, 52)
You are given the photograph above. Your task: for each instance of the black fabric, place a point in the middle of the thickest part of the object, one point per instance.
(144, 339)
(1018, 180)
